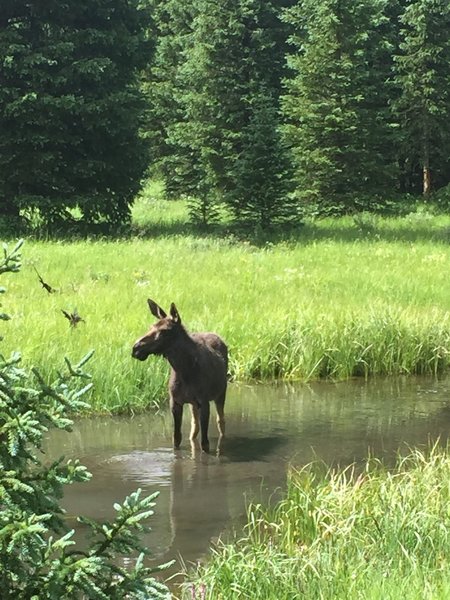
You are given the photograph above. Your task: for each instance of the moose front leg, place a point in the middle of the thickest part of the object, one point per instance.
(177, 412)
(204, 422)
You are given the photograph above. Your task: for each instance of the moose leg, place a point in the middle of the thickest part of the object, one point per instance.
(195, 422)
(177, 412)
(220, 402)
(204, 422)
(220, 422)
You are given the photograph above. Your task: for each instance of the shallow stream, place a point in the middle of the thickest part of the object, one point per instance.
(268, 428)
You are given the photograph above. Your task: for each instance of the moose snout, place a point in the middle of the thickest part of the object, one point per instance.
(139, 351)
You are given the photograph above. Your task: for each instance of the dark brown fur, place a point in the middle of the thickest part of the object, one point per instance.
(199, 365)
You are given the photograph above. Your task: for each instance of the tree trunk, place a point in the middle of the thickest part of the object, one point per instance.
(426, 180)
(426, 177)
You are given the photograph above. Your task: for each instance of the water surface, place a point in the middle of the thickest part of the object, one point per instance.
(268, 428)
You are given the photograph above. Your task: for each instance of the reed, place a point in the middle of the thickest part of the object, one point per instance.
(332, 299)
(346, 534)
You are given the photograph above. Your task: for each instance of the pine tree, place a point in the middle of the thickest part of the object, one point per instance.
(261, 193)
(230, 72)
(172, 28)
(336, 102)
(212, 89)
(71, 106)
(422, 75)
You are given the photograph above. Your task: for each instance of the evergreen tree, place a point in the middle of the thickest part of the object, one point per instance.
(336, 102)
(212, 86)
(229, 75)
(263, 172)
(70, 106)
(422, 75)
(172, 28)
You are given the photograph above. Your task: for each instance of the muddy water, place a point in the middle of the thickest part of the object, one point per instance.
(268, 427)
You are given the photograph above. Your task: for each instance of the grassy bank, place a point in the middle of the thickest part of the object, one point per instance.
(379, 535)
(333, 299)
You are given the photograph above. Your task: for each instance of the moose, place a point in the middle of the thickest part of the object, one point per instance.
(199, 366)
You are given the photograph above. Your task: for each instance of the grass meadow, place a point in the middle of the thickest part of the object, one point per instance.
(375, 535)
(356, 296)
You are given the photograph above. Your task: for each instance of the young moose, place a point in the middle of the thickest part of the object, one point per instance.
(198, 375)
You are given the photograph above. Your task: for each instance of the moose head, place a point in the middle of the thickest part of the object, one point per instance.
(161, 335)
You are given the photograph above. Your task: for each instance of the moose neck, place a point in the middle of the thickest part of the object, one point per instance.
(182, 355)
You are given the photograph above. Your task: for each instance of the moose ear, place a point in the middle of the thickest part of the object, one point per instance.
(156, 310)
(174, 314)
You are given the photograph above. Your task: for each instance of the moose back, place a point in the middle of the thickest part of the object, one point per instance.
(199, 366)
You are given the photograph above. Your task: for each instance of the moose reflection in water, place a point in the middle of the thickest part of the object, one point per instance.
(199, 365)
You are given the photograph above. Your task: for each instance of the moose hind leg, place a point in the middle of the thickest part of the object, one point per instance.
(220, 406)
(177, 412)
(195, 422)
(204, 422)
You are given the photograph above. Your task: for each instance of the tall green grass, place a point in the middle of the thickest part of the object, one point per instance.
(335, 299)
(378, 534)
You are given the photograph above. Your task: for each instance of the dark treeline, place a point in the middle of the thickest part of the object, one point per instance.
(71, 107)
(269, 108)
(273, 106)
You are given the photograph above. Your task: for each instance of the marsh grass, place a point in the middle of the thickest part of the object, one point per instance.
(346, 534)
(330, 299)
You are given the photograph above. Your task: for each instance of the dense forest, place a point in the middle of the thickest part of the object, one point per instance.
(270, 108)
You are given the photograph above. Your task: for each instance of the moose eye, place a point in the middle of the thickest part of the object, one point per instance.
(161, 334)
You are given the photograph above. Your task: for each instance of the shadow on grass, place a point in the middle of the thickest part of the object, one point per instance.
(416, 227)
(410, 229)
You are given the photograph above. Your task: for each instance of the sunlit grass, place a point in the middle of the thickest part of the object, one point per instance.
(331, 299)
(374, 534)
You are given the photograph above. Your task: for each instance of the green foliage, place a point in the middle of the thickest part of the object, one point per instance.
(441, 199)
(71, 107)
(262, 189)
(360, 532)
(364, 109)
(172, 24)
(335, 104)
(221, 64)
(422, 108)
(38, 556)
